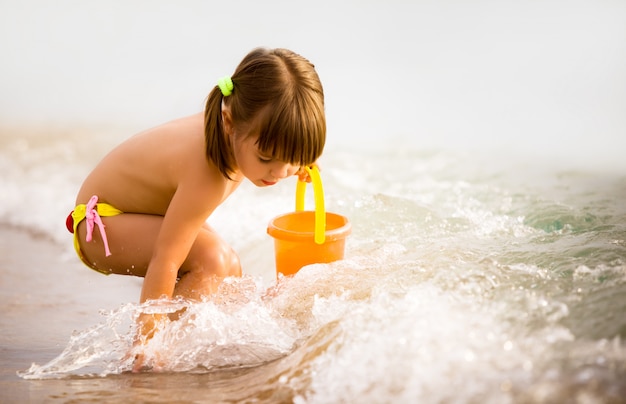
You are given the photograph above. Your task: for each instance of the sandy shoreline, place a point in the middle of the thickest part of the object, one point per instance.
(44, 296)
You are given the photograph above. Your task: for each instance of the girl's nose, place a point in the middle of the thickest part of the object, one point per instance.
(283, 171)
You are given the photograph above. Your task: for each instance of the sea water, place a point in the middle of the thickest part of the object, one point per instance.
(476, 149)
(493, 282)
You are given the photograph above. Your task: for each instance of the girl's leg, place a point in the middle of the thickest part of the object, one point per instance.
(209, 261)
(132, 238)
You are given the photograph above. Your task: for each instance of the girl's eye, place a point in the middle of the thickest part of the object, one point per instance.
(264, 159)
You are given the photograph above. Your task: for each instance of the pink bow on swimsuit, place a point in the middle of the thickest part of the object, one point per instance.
(91, 217)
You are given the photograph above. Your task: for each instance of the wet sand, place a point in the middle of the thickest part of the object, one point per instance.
(45, 294)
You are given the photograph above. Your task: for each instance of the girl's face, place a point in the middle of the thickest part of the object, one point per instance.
(260, 169)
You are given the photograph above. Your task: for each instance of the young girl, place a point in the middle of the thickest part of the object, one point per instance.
(142, 210)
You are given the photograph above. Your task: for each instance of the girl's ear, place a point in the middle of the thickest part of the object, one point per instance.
(227, 120)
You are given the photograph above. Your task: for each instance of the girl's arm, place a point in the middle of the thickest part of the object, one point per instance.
(185, 215)
(191, 205)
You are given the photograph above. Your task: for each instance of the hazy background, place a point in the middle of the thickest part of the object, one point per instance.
(546, 79)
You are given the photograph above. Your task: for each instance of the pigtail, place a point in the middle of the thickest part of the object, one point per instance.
(218, 147)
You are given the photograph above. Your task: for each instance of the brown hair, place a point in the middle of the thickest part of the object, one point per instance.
(284, 91)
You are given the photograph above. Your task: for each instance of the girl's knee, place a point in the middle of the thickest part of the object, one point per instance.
(231, 265)
(235, 265)
(209, 262)
(219, 260)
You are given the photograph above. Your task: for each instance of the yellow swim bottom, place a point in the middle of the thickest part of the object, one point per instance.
(91, 212)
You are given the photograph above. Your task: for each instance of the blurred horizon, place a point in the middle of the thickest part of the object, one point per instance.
(540, 78)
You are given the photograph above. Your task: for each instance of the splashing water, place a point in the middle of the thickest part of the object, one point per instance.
(458, 285)
(388, 325)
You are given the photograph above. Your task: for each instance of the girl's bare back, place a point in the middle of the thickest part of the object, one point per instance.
(142, 174)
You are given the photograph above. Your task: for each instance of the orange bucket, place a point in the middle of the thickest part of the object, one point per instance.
(308, 237)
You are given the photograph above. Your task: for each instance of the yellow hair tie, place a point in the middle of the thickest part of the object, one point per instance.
(226, 85)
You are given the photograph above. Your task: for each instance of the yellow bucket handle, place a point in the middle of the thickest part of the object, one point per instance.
(318, 194)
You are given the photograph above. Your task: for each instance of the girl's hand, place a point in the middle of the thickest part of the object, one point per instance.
(147, 326)
(136, 352)
(303, 175)
(141, 364)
